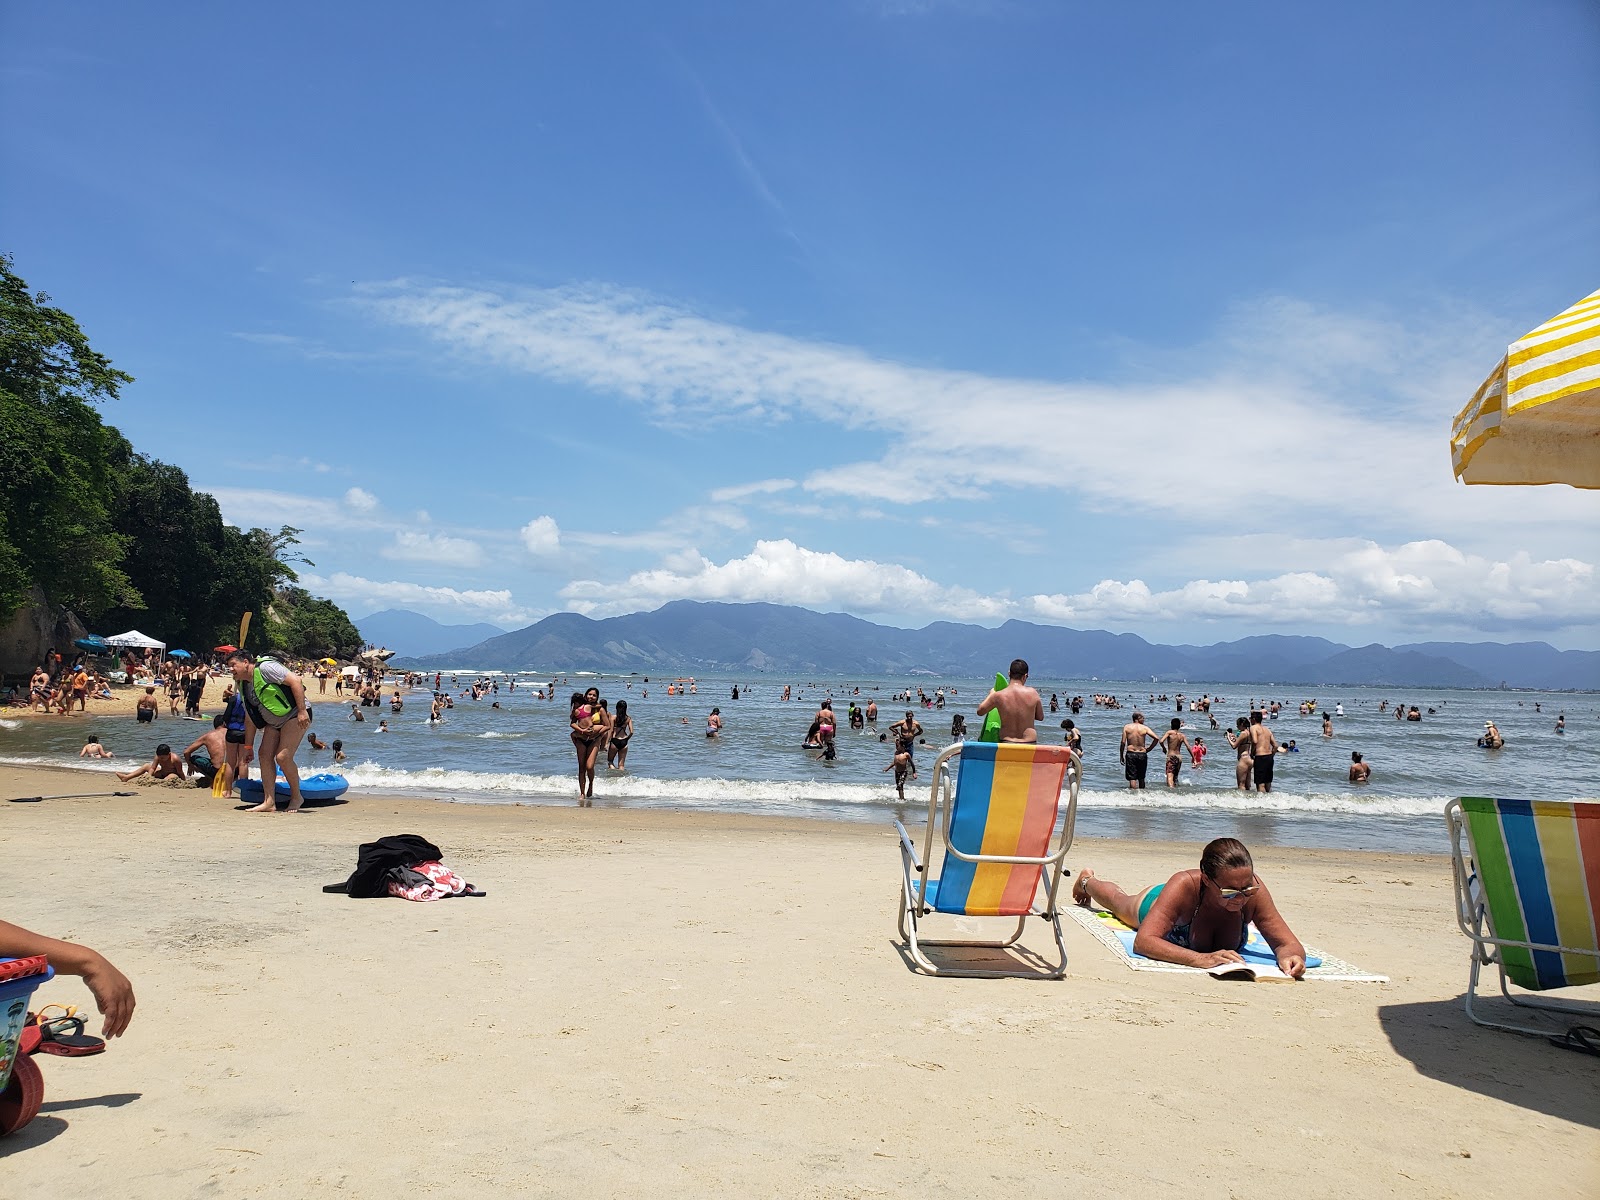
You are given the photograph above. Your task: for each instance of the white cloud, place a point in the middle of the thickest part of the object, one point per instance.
(742, 491)
(1424, 587)
(1418, 585)
(361, 596)
(1336, 420)
(436, 549)
(361, 500)
(541, 536)
(780, 572)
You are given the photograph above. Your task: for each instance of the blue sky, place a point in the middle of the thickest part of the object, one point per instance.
(1149, 318)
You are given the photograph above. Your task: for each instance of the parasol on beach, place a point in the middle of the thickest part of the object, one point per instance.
(328, 662)
(223, 649)
(179, 654)
(1536, 419)
(94, 644)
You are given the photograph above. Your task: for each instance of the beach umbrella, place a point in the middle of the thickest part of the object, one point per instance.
(94, 644)
(179, 654)
(328, 662)
(351, 671)
(1536, 419)
(223, 649)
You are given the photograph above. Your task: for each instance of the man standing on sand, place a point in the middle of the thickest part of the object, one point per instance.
(274, 703)
(1019, 706)
(80, 688)
(1134, 750)
(1174, 743)
(1263, 752)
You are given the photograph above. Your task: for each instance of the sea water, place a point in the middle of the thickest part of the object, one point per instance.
(521, 752)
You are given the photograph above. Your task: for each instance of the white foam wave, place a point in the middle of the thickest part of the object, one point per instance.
(752, 793)
(494, 733)
(9, 724)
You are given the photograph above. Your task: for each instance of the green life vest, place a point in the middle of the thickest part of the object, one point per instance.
(273, 698)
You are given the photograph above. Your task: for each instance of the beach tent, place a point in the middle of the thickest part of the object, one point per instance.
(137, 640)
(1536, 419)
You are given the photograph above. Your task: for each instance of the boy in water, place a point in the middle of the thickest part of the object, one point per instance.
(1019, 706)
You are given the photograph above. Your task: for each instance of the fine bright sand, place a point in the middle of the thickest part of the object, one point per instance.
(661, 1003)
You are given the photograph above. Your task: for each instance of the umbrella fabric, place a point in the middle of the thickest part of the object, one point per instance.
(1536, 419)
(328, 662)
(223, 649)
(351, 671)
(136, 639)
(94, 642)
(179, 654)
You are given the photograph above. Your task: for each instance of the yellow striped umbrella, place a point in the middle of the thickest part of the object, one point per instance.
(1536, 419)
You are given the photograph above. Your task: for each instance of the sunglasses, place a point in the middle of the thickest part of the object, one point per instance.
(1243, 893)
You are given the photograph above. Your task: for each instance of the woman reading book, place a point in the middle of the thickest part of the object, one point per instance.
(1200, 918)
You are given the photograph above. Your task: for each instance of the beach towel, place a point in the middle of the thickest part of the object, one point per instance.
(1118, 938)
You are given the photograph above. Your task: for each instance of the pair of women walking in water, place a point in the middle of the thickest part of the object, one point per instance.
(593, 728)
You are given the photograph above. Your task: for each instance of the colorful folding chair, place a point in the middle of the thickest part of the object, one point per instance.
(1527, 881)
(996, 813)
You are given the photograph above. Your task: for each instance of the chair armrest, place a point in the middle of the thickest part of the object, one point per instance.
(907, 847)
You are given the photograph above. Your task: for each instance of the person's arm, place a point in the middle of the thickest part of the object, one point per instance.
(195, 745)
(988, 702)
(297, 692)
(1276, 933)
(1176, 898)
(113, 994)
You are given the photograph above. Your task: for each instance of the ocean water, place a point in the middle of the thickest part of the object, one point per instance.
(520, 753)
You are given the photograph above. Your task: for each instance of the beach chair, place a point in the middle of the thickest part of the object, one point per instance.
(1527, 883)
(994, 806)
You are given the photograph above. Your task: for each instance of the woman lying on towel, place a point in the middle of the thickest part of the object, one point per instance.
(1200, 918)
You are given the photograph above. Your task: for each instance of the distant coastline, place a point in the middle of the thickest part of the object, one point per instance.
(764, 639)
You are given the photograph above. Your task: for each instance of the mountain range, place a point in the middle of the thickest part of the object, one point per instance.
(412, 633)
(694, 636)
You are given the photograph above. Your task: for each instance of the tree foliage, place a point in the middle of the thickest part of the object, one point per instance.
(118, 536)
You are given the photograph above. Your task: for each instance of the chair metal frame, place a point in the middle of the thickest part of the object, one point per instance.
(941, 802)
(1474, 920)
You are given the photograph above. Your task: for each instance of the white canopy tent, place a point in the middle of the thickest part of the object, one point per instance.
(137, 640)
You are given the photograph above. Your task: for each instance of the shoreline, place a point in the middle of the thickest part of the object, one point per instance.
(691, 1003)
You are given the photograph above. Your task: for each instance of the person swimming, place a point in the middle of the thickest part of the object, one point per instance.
(1200, 918)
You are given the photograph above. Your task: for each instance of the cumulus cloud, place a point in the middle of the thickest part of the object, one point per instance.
(781, 572)
(361, 500)
(1416, 585)
(1422, 586)
(434, 548)
(360, 596)
(541, 536)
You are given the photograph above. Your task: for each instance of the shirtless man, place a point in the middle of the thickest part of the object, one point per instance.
(905, 734)
(1019, 706)
(1263, 752)
(1174, 743)
(208, 753)
(165, 763)
(148, 708)
(1360, 772)
(1134, 750)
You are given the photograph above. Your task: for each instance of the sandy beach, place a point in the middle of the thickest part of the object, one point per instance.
(667, 1003)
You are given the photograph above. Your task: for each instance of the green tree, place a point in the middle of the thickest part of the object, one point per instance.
(55, 458)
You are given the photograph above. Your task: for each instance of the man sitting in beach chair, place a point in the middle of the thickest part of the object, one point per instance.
(1527, 882)
(996, 812)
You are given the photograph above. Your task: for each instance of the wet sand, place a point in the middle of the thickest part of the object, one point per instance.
(674, 1003)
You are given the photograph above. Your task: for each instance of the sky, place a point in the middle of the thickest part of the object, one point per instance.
(1149, 318)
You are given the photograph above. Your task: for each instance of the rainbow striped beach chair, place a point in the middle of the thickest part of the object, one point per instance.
(1527, 880)
(996, 812)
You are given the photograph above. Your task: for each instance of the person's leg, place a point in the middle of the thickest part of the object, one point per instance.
(577, 746)
(268, 753)
(230, 771)
(1089, 890)
(288, 742)
(594, 758)
(134, 774)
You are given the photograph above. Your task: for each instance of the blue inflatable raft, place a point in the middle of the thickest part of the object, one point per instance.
(326, 788)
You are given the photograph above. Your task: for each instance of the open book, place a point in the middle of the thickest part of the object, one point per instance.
(1250, 972)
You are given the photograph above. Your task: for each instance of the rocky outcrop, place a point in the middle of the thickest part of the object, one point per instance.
(32, 630)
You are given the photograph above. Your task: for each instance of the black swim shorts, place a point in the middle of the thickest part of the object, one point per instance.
(1134, 765)
(146, 715)
(235, 737)
(1263, 767)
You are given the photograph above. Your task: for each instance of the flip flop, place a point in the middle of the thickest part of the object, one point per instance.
(1585, 1039)
(65, 1036)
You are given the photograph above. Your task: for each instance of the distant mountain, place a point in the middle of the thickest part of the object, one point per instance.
(414, 634)
(1521, 664)
(690, 636)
